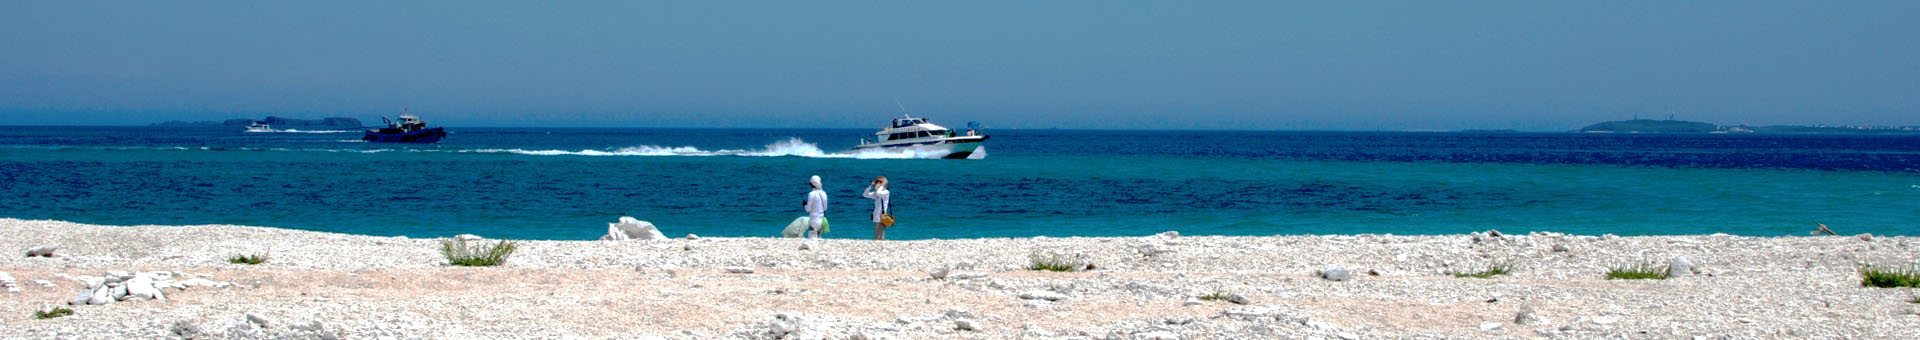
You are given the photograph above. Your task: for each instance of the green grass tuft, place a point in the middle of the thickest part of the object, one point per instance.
(1056, 262)
(1216, 296)
(460, 254)
(56, 312)
(1644, 271)
(247, 259)
(1053, 266)
(1871, 276)
(1495, 270)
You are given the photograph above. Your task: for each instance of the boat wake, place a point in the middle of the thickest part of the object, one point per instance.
(792, 147)
(304, 131)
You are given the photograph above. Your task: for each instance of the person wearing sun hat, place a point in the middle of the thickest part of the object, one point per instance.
(816, 206)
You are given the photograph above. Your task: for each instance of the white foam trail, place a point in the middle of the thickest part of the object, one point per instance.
(792, 147)
(304, 131)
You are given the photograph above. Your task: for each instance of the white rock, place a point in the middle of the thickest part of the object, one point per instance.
(1336, 274)
(1238, 299)
(632, 229)
(806, 245)
(966, 275)
(966, 325)
(86, 294)
(1605, 320)
(938, 274)
(100, 296)
(693, 237)
(91, 282)
(1490, 326)
(1680, 267)
(1526, 317)
(6, 281)
(1347, 336)
(468, 237)
(118, 292)
(259, 320)
(1043, 295)
(1193, 301)
(1169, 234)
(739, 270)
(43, 251)
(142, 288)
(43, 283)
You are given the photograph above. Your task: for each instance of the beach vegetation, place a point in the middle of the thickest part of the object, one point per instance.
(459, 253)
(52, 313)
(1643, 271)
(1873, 276)
(247, 259)
(1057, 263)
(1216, 296)
(1494, 270)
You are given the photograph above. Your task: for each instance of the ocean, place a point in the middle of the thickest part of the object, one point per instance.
(567, 183)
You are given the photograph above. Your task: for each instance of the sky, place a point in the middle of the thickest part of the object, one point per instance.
(1279, 65)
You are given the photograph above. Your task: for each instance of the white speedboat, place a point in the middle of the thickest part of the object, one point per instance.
(917, 135)
(259, 127)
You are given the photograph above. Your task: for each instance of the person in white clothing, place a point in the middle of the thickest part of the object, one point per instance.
(816, 208)
(881, 202)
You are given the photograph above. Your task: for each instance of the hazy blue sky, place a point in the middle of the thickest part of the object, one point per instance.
(1400, 65)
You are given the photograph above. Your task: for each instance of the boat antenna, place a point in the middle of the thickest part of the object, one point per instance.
(903, 107)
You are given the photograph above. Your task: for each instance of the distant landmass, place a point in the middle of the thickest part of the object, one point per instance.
(1678, 126)
(276, 122)
(1651, 126)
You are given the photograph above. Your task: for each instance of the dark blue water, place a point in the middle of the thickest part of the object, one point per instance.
(567, 183)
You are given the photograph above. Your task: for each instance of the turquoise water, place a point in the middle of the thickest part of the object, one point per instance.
(568, 183)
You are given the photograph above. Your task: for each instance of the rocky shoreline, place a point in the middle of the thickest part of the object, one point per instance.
(323, 286)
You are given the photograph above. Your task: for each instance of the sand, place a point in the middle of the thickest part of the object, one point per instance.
(323, 285)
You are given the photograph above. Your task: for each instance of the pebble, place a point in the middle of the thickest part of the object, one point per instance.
(966, 275)
(1336, 274)
(1238, 299)
(1489, 326)
(938, 274)
(1043, 295)
(261, 321)
(739, 270)
(6, 281)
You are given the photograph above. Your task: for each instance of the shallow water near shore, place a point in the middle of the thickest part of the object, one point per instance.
(539, 183)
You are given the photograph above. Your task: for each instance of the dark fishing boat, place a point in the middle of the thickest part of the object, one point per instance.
(409, 129)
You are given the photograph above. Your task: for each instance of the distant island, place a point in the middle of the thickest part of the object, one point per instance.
(276, 122)
(1678, 126)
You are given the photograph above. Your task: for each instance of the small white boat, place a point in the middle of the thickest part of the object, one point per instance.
(259, 127)
(923, 137)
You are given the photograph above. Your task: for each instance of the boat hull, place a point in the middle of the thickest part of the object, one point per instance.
(962, 148)
(428, 135)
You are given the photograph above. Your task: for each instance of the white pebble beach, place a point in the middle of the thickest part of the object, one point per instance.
(325, 285)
